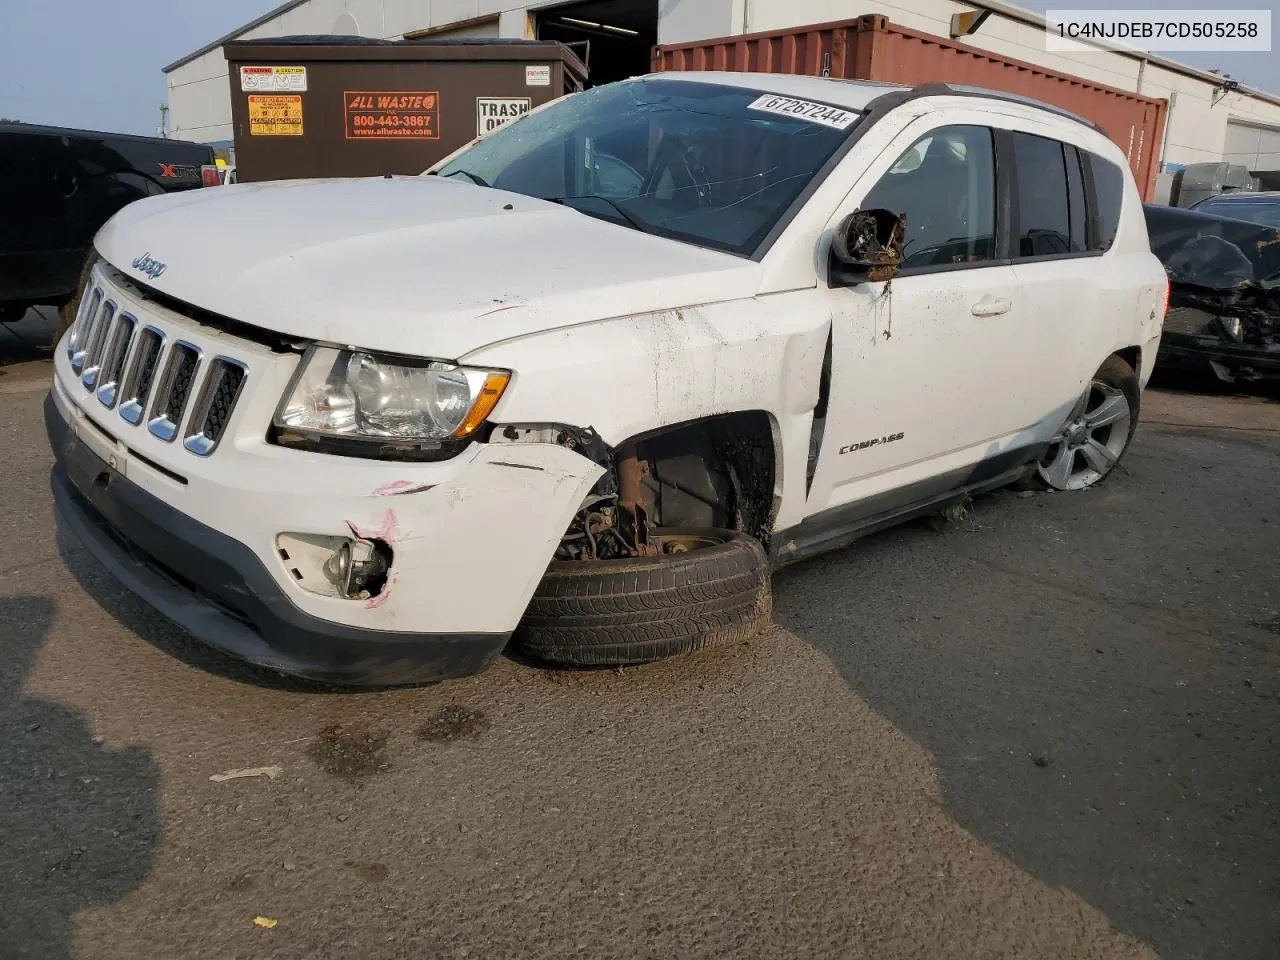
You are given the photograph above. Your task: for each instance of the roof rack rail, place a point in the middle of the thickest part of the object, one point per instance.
(964, 90)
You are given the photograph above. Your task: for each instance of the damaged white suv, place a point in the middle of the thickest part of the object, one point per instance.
(587, 381)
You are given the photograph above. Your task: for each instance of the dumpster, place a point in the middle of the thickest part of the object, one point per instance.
(326, 106)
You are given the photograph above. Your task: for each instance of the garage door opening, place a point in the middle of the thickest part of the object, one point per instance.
(614, 37)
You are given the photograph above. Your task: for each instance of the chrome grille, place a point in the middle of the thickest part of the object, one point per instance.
(134, 367)
(174, 390)
(113, 359)
(212, 411)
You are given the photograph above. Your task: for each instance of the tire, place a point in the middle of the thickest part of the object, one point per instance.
(642, 609)
(1103, 447)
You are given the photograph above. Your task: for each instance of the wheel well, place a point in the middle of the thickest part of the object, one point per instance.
(1132, 356)
(716, 472)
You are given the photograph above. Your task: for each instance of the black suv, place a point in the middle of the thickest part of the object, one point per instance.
(59, 186)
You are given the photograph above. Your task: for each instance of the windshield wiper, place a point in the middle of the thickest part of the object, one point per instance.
(628, 218)
(470, 176)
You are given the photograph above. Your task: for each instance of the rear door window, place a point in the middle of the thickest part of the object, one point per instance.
(1108, 191)
(1044, 199)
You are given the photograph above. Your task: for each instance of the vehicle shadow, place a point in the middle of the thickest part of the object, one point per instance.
(1120, 747)
(1184, 381)
(79, 821)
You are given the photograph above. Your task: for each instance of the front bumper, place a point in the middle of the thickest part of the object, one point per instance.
(223, 593)
(1230, 364)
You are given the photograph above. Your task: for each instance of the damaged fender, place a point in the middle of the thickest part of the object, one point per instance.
(469, 553)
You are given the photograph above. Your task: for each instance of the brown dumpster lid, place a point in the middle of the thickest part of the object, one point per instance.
(343, 48)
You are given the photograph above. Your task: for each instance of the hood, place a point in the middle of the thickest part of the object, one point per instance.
(1213, 252)
(416, 265)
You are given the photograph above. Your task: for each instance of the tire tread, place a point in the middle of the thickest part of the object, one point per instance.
(623, 612)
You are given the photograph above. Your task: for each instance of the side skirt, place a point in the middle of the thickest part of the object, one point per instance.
(841, 526)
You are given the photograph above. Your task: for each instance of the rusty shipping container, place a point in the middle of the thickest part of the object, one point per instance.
(872, 48)
(351, 107)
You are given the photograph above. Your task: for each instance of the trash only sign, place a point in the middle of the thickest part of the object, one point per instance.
(495, 112)
(275, 116)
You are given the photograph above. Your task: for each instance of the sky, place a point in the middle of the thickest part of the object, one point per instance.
(97, 63)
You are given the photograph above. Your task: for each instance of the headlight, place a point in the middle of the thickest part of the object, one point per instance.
(1230, 326)
(364, 404)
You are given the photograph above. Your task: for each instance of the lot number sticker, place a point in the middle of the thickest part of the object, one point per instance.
(273, 79)
(537, 76)
(275, 116)
(495, 112)
(822, 113)
(392, 114)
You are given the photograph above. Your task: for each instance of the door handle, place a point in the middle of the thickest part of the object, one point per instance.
(991, 306)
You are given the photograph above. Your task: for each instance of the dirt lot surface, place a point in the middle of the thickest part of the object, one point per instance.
(1048, 729)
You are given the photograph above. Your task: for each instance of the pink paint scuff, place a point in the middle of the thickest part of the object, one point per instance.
(399, 488)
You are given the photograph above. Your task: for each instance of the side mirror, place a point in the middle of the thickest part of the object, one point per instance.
(867, 247)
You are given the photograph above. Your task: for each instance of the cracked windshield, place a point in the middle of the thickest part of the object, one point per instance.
(710, 164)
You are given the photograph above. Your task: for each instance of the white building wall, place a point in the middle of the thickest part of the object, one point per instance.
(683, 21)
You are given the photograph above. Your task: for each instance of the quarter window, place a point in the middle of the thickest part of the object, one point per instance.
(945, 184)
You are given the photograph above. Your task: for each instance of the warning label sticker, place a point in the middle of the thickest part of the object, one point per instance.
(495, 112)
(392, 114)
(271, 79)
(275, 116)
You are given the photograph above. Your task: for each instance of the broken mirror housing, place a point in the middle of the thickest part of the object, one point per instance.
(359, 403)
(867, 247)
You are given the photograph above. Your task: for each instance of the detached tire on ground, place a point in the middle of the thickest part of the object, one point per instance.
(637, 610)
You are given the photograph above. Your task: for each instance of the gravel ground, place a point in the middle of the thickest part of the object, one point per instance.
(1045, 729)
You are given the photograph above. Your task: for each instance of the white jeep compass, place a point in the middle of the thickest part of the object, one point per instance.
(588, 380)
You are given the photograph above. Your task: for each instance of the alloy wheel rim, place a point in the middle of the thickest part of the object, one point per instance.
(1089, 444)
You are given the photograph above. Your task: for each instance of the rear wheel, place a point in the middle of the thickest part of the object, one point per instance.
(1097, 431)
(708, 588)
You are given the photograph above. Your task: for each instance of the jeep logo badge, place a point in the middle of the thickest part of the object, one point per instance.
(152, 268)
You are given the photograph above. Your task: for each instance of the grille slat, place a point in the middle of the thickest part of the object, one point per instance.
(174, 390)
(113, 359)
(212, 411)
(89, 304)
(141, 374)
(95, 343)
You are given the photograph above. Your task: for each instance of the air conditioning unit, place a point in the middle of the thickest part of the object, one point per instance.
(1197, 181)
